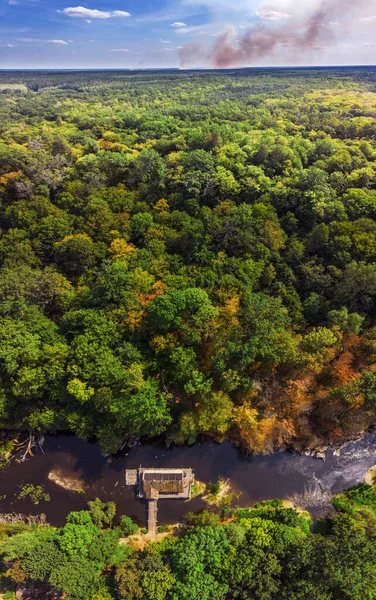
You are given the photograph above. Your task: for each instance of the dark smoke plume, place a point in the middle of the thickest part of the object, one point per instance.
(301, 35)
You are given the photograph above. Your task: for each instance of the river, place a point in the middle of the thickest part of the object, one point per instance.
(282, 475)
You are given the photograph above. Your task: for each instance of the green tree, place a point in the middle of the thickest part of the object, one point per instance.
(79, 578)
(102, 513)
(155, 577)
(75, 254)
(127, 526)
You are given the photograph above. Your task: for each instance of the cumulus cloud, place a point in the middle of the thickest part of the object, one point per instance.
(91, 13)
(58, 42)
(165, 41)
(178, 24)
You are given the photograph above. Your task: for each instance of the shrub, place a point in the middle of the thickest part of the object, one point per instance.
(127, 526)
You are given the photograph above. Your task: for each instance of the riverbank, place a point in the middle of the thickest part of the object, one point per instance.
(370, 477)
(285, 475)
(220, 552)
(19, 445)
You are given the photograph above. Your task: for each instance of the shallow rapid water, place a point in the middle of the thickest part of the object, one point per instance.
(282, 475)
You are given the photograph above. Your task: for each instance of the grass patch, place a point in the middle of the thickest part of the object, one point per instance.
(197, 489)
(13, 87)
(220, 494)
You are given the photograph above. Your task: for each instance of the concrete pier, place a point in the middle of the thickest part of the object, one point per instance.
(152, 516)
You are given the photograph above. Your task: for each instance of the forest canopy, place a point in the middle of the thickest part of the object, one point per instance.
(189, 253)
(268, 552)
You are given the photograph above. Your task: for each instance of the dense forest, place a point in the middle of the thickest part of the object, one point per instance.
(189, 253)
(268, 552)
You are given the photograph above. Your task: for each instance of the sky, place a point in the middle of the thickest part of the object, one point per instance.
(185, 33)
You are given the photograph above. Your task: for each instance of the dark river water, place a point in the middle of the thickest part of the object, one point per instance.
(282, 475)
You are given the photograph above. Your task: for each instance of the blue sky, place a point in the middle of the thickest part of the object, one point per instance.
(151, 33)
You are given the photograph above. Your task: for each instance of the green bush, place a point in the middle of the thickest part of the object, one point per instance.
(127, 526)
(163, 528)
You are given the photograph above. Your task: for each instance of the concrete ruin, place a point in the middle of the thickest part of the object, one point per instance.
(159, 484)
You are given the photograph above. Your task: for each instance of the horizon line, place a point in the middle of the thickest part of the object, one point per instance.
(329, 66)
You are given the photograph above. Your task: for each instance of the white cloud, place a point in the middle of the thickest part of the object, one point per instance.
(272, 15)
(370, 19)
(287, 43)
(8, 46)
(165, 41)
(119, 50)
(347, 46)
(368, 44)
(120, 13)
(178, 24)
(89, 13)
(198, 29)
(160, 50)
(40, 41)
